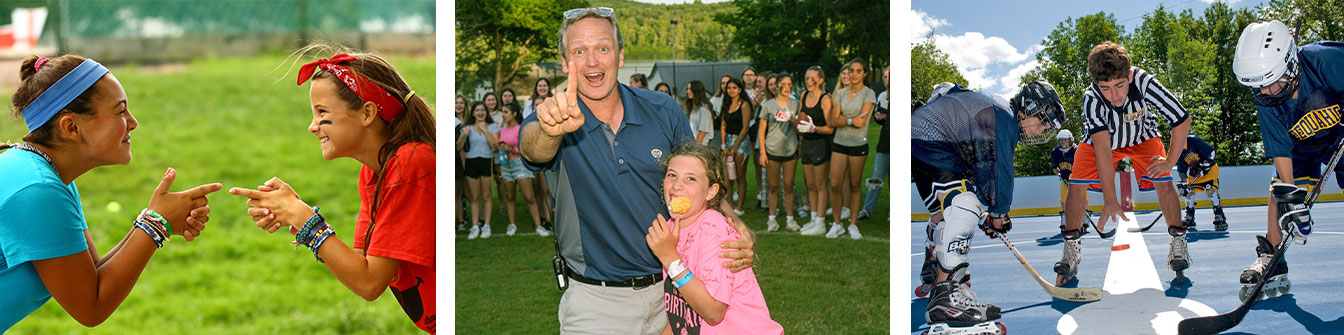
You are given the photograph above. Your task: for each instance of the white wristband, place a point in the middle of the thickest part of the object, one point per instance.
(675, 269)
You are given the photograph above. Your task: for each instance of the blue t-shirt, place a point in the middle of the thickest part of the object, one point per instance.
(40, 218)
(608, 185)
(1308, 126)
(480, 148)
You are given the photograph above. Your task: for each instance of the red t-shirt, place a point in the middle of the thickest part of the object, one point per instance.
(405, 227)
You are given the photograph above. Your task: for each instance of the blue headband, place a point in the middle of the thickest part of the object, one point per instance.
(62, 93)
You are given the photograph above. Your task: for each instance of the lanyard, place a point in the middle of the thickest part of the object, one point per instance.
(29, 148)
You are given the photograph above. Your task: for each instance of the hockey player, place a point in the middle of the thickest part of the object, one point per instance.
(1199, 174)
(1297, 93)
(1120, 111)
(1061, 158)
(962, 163)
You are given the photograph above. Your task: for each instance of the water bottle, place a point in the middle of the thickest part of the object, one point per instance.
(732, 172)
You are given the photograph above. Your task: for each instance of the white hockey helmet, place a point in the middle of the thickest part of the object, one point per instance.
(940, 90)
(1266, 54)
(1063, 134)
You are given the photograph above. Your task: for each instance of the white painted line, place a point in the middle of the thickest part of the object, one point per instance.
(1134, 301)
(1132, 269)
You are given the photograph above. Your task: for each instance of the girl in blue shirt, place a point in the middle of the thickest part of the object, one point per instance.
(77, 116)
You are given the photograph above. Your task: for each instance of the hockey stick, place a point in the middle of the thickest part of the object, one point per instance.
(1217, 323)
(1080, 294)
(1087, 214)
(1149, 226)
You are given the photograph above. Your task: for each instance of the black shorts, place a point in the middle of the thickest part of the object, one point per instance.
(816, 151)
(782, 158)
(861, 150)
(461, 169)
(936, 186)
(478, 167)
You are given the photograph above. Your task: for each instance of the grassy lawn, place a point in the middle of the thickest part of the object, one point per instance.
(812, 285)
(239, 122)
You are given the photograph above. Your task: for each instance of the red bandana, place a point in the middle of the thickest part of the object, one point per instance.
(389, 107)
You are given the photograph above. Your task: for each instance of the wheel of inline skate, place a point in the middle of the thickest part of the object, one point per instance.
(1241, 294)
(923, 291)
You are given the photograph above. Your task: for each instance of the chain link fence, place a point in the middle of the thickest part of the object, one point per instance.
(174, 30)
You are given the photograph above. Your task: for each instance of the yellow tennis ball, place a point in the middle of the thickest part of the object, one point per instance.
(114, 207)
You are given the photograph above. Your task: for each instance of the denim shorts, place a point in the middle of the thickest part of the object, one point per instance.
(744, 148)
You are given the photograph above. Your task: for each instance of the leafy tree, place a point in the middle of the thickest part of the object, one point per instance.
(930, 66)
(514, 32)
(793, 34)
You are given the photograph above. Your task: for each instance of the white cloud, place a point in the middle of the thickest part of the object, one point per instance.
(1011, 81)
(922, 24)
(976, 54)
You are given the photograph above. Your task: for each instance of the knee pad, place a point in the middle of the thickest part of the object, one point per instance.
(952, 237)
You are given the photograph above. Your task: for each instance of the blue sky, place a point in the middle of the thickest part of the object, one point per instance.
(994, 42)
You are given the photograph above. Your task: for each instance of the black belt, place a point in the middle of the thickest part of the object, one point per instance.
(636, 282)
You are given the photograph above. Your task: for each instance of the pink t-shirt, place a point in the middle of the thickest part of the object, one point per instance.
(510, 136)
(698, 245)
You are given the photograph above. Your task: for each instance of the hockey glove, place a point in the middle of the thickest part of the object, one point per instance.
(988, 227)
(1294, 216)
(1184, 189)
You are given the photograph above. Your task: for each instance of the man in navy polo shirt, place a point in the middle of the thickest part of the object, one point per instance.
(603, 151)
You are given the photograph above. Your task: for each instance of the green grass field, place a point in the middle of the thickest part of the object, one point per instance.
(813, 285)
(238, 122)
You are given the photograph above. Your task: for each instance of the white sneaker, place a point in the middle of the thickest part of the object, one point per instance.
(836, 230)
(738, 212)
(485, 231)
(813, 228)
(844, 213)
(543, 232)
(771, 225)
(828, 211)
(854, 232)
(475, 232)
(792, 224)
(512, 229)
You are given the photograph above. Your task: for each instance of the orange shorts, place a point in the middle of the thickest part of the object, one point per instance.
(1085, 164)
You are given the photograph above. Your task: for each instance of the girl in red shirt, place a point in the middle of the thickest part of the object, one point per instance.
(363, 109)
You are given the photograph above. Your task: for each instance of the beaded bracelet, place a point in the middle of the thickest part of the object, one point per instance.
(153, 233)
(327, 231)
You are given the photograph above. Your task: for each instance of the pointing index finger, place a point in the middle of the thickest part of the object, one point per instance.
(251, 194)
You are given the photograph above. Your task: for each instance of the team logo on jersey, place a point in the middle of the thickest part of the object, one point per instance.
(1315, 121)
(656, 153)
(1065, 166)
(1135, 116)
(1191, 158)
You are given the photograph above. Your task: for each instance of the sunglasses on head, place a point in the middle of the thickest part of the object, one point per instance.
(577, 12)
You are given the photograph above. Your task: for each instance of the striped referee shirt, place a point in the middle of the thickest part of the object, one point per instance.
(1136, 121)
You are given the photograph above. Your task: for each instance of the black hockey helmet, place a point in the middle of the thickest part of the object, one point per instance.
(1038, 99)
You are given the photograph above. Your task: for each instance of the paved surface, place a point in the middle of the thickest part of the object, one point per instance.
(1139, 294)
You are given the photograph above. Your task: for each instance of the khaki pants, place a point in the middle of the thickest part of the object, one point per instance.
(591, 309)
